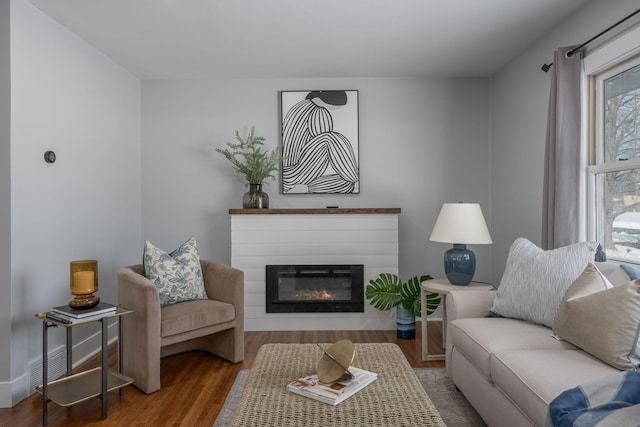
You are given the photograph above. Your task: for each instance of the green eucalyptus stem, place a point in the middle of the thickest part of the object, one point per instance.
(250, 158)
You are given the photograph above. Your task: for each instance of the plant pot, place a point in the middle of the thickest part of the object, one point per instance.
(255, 198)
(405, 323)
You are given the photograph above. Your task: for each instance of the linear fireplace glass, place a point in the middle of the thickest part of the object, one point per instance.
(314, 288)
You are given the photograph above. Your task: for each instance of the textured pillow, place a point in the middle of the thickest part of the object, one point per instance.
(534, 280)
(177, 275)
(605, 324)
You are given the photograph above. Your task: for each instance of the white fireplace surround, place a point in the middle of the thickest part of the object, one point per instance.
(261, 237)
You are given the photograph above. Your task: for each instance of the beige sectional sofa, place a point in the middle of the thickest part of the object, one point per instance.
(510, 370)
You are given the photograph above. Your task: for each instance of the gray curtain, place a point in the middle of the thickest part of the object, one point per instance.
(561, 193)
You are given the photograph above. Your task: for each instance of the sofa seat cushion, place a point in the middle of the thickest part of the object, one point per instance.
(191, 315)
(479, 338)
(533, 378)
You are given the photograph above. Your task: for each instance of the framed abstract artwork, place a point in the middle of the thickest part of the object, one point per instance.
(320, 142)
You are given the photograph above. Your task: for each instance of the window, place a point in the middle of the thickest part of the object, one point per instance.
(615, 160)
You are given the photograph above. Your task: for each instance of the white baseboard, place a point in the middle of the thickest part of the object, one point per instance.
(11, 393)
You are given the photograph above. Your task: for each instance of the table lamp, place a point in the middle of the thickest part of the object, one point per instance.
(461, 224)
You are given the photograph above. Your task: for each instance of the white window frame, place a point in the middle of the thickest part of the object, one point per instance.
(610, 59)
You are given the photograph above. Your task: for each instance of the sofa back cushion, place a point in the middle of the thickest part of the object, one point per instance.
(614, 272)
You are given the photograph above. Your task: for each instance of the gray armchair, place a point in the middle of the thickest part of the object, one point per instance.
(215, 325)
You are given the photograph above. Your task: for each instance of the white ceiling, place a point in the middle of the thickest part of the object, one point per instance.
(186, 39)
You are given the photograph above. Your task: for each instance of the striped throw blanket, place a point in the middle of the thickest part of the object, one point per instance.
(610, 401)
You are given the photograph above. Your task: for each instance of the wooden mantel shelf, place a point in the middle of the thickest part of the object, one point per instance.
(316, 211)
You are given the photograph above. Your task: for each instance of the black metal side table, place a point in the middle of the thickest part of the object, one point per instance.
(96, 382)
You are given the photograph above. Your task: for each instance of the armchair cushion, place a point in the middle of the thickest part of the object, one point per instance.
(193, 315)
(177, 275)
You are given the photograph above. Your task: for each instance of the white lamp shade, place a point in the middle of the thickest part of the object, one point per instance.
(461, 223)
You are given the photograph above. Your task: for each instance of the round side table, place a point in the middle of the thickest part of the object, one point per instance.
(441, 287)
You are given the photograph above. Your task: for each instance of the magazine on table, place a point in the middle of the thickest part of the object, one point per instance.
(68, 320)
(335, 392)
(77, 313)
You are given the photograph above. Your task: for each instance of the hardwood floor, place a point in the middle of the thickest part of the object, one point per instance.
(195, 384)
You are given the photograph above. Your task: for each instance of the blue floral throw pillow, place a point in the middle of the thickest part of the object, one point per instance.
(177, 275)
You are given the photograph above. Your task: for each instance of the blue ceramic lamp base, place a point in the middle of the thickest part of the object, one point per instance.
(459, 265)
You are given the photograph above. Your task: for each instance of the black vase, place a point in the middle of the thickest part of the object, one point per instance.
(255, 198)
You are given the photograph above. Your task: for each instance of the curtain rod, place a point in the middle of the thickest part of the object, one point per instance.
(546, 67)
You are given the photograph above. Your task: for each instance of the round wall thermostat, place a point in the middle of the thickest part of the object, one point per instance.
(49, 156)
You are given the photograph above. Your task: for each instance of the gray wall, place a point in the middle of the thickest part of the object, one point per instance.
(422, 142)
(520, 96)
(5, 193)
(68, 97)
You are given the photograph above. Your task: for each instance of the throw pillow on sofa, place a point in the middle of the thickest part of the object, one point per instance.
(177, 275)
(589, 282)
(535, 281)
(633, 272)
(602, 320)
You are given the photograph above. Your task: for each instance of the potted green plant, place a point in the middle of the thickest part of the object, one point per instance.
(248, 157)
(388, 291)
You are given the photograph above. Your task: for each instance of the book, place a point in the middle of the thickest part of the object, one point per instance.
(332, 393)
(100, 308)
(68, 320)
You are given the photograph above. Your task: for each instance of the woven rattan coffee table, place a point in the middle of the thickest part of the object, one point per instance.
(396, 398)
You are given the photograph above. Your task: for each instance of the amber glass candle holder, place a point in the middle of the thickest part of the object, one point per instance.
(84, 283)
